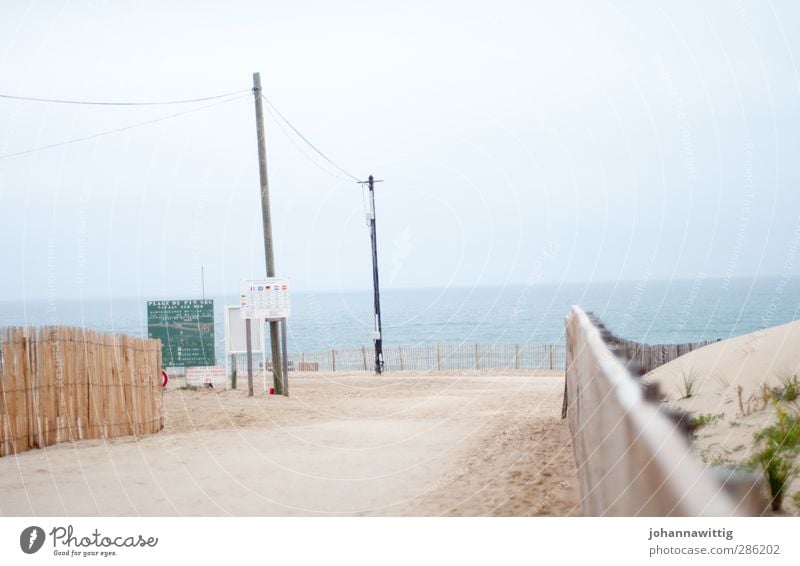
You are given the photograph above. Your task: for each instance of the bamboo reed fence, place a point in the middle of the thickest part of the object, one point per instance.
(60, 384)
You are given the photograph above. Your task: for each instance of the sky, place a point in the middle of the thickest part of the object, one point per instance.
(518, 143)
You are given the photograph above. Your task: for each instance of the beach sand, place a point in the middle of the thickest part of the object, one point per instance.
(341, 444)
(716, 372)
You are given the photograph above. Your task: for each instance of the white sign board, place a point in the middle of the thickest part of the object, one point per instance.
(202, 375)
(235, 341)
(265, 298)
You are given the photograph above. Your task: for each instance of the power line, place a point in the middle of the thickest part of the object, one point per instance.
(311, 145)
(117, 130)
(122, 103)
(303, 152)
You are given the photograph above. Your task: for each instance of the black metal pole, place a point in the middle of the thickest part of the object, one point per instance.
(375, 284)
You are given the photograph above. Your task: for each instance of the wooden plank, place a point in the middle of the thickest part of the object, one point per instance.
(104, 388)
(31, 391)
(147, 414)
(128, 363)
(120, 426)
(136, 406)
(5, 425)
(49, 372)
(40, 364)
(72, 387)
(10, 395)
(4, 440)
(93, 405)
(21, 431)
(12, 366)
(144, 394)
(126, 385)
(150, 385)
(110, 385)
(62, 424)
(82, 386)
(158, 395)
(58, 392)
(52, 385)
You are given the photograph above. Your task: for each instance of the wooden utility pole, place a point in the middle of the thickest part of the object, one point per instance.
(247, 335)
(378, 333)
(274, 329)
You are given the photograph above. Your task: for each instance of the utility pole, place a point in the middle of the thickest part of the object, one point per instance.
(267, 219)
(378, 332)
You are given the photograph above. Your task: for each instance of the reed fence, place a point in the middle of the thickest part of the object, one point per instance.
(61, 384)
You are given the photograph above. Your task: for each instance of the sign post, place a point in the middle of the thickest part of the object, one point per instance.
(235, 339)
(186, 331)
(284, 358)
(247, 334)
(266, 299)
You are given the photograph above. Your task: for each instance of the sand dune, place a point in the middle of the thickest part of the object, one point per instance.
(715, 373)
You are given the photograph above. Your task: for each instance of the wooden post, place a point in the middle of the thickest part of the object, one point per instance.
(364, 356)
(234, 369)
(400, 352)
(333, 359)
(550, 347)
(476, 357)
(285, 358)
(438, 358)
(516, 356)
(247, 333)
(266, 218)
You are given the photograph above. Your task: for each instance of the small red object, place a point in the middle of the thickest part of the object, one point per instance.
(164, 378)
(272, 391)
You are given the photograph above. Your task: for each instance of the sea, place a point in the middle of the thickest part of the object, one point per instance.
(652, 311)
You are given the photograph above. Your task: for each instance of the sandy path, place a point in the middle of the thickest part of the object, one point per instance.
(340, 445)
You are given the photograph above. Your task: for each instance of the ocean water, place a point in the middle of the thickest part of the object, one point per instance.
(646, 311)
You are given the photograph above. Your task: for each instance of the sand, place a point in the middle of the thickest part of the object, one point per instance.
(717, 371)
(342, 444)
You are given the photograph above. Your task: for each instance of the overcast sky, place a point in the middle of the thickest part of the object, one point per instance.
(518, 142)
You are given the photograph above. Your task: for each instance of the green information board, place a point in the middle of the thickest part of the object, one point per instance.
(186, 331)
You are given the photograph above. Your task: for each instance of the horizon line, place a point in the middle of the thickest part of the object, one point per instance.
(211, 295)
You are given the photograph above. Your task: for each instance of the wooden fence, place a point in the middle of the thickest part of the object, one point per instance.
(651, 356)
(430, 357)
(62, 384)
(632, 460)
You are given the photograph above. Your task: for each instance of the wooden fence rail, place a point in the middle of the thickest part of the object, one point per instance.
(61, 384)
(632, 460)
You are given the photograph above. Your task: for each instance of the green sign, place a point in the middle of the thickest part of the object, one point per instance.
(186, 331)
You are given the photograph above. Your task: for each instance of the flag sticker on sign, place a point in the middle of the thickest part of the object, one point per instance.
(265, 298)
